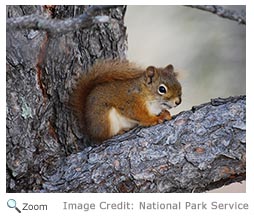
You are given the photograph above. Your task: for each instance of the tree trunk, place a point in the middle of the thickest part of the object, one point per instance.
(198, 150)
(41, 72)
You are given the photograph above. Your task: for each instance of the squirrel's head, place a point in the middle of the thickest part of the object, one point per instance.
(165, 89)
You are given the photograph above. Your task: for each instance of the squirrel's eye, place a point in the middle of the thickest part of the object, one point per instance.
(162, 89)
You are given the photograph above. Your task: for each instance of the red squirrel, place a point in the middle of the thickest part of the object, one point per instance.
(115, 96)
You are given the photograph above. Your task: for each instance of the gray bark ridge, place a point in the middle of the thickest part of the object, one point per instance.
(198, 150)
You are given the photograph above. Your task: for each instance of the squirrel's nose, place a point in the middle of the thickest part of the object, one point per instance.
(178, 101)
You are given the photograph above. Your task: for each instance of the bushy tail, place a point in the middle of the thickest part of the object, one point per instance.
(100, 73)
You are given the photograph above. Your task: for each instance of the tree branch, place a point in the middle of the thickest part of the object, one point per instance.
(200, 149)
(39, 22)
(222, 12)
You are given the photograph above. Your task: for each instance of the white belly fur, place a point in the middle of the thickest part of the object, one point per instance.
(154, 107)
(119, 122)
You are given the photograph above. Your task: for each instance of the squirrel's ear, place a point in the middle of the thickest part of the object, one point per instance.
(170, 70)
(150, 74)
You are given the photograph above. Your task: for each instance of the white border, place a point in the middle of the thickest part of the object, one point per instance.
(54, 201)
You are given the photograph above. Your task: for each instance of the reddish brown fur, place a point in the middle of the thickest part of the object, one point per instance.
(126, 88)
(101, 72)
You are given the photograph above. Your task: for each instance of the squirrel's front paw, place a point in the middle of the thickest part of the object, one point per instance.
(164, 115)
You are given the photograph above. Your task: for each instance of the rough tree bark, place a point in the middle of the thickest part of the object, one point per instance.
(41, 72)
(198, 150)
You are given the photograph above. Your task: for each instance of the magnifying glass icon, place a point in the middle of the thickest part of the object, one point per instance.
(11, 203)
